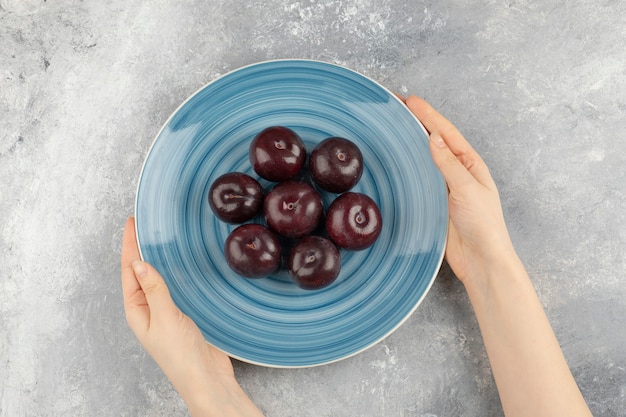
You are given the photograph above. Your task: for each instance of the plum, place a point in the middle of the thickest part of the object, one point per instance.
(253, 251)
(235, 197)
(293, 208)
(353, 221)
(277, 153)
(314, 262)
(336, 164)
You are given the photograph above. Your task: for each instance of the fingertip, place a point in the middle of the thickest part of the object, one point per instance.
(130, 249)
(412, 100)
(439, 151)
(150, 280)
(129, 225)
(437, 140)
(454, 173)
(139, 268)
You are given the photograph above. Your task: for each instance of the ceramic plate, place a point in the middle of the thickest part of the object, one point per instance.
(270, 321)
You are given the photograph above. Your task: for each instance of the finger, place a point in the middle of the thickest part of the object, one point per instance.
(155, 290)
(135, 304)
(435, 122)
(130, 253)
(400, 97)
(452, 169)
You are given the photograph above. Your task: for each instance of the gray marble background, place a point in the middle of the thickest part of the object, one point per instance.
(538, 87)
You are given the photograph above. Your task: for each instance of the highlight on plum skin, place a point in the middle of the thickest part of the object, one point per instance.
(277, 153)
(293, 209)
(314, 262)
(253, 251)
(235, 197)
(336, 164)
(354, 221)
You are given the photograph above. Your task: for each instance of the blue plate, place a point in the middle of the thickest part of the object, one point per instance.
(270, 321)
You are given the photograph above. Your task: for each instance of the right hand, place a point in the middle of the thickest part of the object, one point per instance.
(477, 233)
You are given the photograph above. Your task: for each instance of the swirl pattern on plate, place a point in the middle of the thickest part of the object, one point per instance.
(270, 321)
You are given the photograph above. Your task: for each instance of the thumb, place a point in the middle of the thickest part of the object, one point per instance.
(452, 169)
(153, 286)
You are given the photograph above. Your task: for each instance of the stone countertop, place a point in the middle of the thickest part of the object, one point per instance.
(539, 89)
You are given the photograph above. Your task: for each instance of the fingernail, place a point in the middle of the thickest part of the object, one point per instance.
(437, 140)
(139, 268)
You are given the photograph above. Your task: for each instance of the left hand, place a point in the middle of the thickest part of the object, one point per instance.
(200, 372)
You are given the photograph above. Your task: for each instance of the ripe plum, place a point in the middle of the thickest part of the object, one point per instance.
(336, 164)
(353, 221)
(252, 251)
(314, 262)
(235, 197)
(277, 153)
(293, 208)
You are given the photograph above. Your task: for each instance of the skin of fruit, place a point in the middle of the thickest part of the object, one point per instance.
(277, 153)
(314, 262)
(293, 209)
(353, 221)
(336, 164)
(235, 197)
(252, 251)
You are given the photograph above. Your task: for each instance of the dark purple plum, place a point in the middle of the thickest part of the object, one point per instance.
(252, 251)
(336, 164)
(235, 197)
(277, 153)
(314, 262)
(353, 221)
(293, 208)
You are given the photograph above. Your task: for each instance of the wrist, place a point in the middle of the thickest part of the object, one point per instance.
(502, 268)
(223, 398)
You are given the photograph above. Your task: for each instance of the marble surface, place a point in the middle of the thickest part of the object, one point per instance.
(539, 88)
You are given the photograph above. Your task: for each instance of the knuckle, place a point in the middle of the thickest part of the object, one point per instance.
(151, 287)
(451, 158)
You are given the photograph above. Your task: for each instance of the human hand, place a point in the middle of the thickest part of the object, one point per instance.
(202, 374)
(477, 233)
(528, 365)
